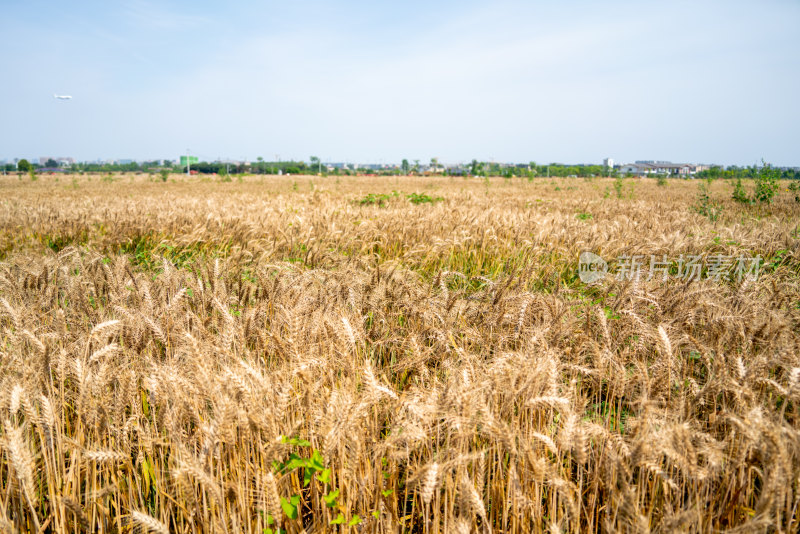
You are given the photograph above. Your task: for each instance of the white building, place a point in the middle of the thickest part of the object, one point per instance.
(608, 162)
(643, 168)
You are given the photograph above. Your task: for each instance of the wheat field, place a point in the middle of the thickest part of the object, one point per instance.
(335, 354)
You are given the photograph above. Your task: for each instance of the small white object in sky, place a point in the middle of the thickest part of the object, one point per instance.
(63, 97)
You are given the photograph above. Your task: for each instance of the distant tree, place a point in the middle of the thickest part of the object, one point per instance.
(315, 163)
(405, 166)
(474, 167)
(24, 165)
(416, 166)
(51, 163)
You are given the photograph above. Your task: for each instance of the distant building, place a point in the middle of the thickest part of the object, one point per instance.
(608, 162)
(457, 169)
(63, 162)
(644, 168)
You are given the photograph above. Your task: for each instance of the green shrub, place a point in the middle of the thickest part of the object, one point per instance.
(619, 184)
(374, 200)
(739, 194)
(423, 198)
(795, 188)
(705, 205)
(766, 183)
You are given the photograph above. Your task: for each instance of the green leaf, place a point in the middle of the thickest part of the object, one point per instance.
(354, 521)
(270, 519)
(330, 498)
(386, 493)
(290, 507)
(294, 462)
(295, 441)
(324, 476)
(316, 461)
(339, 520)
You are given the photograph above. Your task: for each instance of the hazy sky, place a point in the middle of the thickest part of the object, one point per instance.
(367, 81)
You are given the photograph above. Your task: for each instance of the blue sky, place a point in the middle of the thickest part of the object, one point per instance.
(567, 81)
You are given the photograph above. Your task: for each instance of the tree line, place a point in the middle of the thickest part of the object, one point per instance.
(752, 172)
(315, 166)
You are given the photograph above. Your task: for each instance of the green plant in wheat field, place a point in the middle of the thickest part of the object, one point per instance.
(619, 185)
(766, 183)
(705, 205)
(739, 194)
(794, 187)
